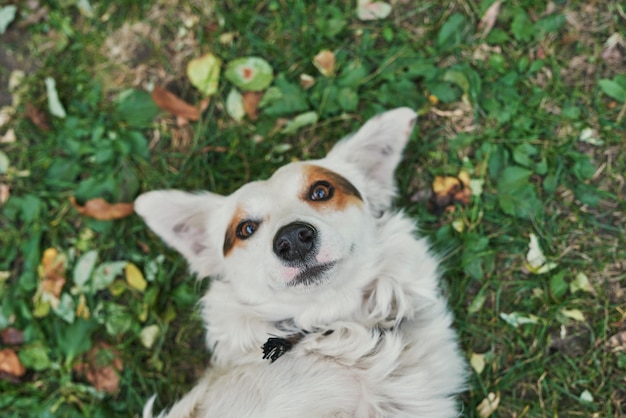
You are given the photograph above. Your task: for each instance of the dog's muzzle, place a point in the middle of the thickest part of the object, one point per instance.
(295, 242)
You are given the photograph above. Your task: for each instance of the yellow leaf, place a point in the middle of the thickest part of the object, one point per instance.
(478, 362)
(117, 288)
(148, 335)
(488, 405)
(48, 257)
(581, 282)
(143, 315)
(134, 277)
(458, 225)
(204, 73)
(41, 308)
(82, 310)
(574, 314)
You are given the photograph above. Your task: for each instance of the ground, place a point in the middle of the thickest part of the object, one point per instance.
(521, 139)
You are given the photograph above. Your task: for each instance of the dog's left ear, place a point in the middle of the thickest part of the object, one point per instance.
(183, 221)
(376, 150)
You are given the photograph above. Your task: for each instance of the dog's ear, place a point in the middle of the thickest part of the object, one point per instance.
(182, 220)
(376, 150)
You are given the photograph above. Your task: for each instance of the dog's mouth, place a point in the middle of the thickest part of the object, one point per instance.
(311, 275)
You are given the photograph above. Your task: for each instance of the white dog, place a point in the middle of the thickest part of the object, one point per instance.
(323, 301)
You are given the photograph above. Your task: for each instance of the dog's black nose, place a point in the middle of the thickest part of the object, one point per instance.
(294, 241)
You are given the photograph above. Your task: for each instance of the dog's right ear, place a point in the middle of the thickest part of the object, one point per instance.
(376, 150)
(182, 220)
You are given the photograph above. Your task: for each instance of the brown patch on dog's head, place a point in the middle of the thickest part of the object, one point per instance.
(327, 190)
(233, 237)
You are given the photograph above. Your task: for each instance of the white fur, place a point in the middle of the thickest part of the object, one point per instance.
(392, 351)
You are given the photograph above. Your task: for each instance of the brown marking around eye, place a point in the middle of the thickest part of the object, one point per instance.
(230, 237)
(345, 193)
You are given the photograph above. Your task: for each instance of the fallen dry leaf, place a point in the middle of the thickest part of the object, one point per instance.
(5, 193)
(134, 277)
(52, 266)
(12, 336)
(617, 342)
(477, 361)
(488, 20)
(306, 81)
(173, 104)
(251, 101)
(53, 287)
(82, 310)
(101, 366)
(212, 148)
(448, 191)
(488, 405)
(204, 104)
(38, 117)
(36, 15)
(52, 274)
(8, 137)
(181, 121)
(10, 363)
(372, 10)
(101, 210)
(324, 61)
(6, 113)
(536, 262)
(204, 73)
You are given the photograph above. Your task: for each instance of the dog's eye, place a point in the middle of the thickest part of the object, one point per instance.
(246, 228)
(320, 191)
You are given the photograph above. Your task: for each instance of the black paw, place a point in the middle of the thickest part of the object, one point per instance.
(276, 347)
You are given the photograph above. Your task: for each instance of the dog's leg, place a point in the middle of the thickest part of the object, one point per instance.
(188, 406)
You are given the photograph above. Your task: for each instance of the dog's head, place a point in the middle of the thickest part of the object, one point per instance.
(308, 227)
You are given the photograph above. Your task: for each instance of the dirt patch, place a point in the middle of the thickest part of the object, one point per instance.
(14, 55)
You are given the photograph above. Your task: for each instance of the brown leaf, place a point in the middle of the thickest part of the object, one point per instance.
(5, 193)
(12, 336)
(541, 53)
(101, 367)
(306, 81)
(52, 272)
(181, 121)
(99, 209)
(36, 15)
(52, 265)
(52, 286)
(617, 342)
(488, 20)
(38, 117)
(324, 61)
(173, 104)
(448, 190)
(10, 363)
(251, 101)
(204, 104)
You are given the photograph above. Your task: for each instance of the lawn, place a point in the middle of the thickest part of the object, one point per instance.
(516, 172)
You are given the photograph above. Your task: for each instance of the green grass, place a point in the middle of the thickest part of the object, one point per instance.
(510, 109)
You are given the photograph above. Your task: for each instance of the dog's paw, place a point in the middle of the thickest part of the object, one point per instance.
(345, 343)
(275, 347)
